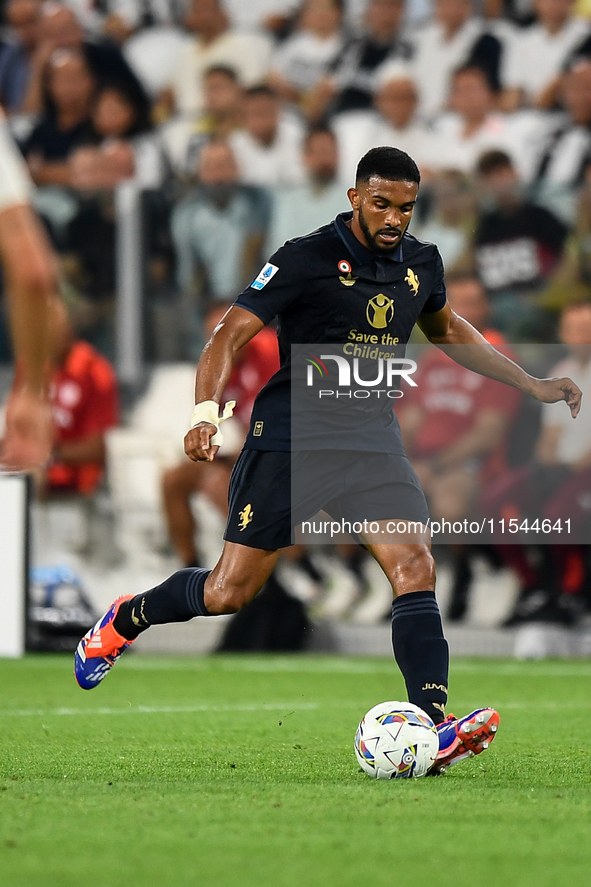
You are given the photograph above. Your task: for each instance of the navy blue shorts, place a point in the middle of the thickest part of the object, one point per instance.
(350, 486)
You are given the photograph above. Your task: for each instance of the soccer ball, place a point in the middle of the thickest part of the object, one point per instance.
(396, 740)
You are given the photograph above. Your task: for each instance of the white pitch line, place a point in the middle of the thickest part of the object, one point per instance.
(337, 667)
(164, 709)
(490, 667)
(257, 707)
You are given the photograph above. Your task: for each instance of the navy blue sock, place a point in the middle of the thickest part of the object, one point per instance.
(177, 599)
(421, 651)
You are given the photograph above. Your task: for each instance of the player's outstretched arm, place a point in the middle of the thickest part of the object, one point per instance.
(445, 328)
(31, 283)
(237, 327)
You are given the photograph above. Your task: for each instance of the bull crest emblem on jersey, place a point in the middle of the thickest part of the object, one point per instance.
(379, 311)
(245, 516)
(412, 280)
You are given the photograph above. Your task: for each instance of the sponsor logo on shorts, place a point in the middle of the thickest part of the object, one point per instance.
(264, 276)
(245, 516)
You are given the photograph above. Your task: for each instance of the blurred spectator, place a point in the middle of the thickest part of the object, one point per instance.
(556, 488)
(254, 366)
(60, 29)
(350, 84)
(474, 124)
(124, 17)
(571, 279)
(269, 148)
(183, 137)
(393, 121)
(214, 43)
(269, 15)
(84, 399)
(455, 426)
(153, 53)
(508, 12)
(450, 222)
(65, 123)
(218, 228)
(127, 149)
(16, 50)
(455, 421)
(569, 443)
(304, 58)
(560, 149)
(516, 246)
(297, 211)
(453, 38)
(533, 61)
(89, 147)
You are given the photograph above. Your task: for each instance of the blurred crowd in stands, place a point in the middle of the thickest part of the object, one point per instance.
(242, 122)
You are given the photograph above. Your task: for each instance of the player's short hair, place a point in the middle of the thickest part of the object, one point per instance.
(492, 161)
(387, 163)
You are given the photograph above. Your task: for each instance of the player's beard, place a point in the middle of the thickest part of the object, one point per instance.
(371, 238)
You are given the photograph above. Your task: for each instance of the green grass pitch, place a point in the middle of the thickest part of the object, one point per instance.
(240, 772)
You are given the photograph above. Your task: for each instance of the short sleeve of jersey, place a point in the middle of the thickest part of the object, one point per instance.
(437, 297)
(277, 285)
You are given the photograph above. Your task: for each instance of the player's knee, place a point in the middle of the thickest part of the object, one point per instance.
(229, 598)
(415, 570)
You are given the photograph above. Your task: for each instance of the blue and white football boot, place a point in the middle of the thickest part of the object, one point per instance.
(100, 648)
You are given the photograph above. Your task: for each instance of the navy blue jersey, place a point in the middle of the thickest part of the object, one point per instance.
(328, 288)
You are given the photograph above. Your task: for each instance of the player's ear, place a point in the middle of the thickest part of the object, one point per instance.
(354, 198)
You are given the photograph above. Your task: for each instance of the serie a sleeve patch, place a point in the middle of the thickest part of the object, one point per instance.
(264, 276)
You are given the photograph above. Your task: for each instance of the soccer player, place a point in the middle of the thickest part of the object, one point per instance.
(322, 287)
(31, 284)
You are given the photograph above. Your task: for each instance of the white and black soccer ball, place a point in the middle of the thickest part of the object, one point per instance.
(396, 740)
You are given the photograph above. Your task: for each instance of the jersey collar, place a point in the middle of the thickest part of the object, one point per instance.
(361, 253)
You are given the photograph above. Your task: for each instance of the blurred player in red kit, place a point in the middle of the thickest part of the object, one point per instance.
(455, 422)
(454, 426)
(85, 405)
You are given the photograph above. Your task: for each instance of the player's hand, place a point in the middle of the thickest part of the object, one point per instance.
(198, 446)
(553, 390)
(28, 438)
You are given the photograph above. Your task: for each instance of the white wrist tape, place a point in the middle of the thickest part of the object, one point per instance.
(208, 411)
